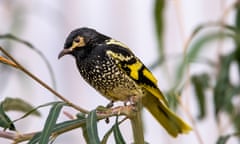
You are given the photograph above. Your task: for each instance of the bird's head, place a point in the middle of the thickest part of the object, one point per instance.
(80, 41)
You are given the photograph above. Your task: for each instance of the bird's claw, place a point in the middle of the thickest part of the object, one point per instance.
(110, 104)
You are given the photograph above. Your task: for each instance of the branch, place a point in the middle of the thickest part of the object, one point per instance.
(121, 110)
(136, 123)
(7, 62)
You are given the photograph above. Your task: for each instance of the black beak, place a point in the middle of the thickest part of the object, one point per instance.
(64, 52)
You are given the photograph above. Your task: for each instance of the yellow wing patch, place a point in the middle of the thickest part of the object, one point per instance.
(118, 56)
(134, 69)
(149, 75)
(137, 69)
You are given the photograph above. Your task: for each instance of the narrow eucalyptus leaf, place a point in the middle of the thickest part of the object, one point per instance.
(5, 121)
(85, 134)
(50, 122)
(60, 128)
(17, 104)
(237, 17)
(159, 26)
(200, 82)
(91, 126)
(34, 109)
(195, 49)
(223, 89)
(106, 136)
(193, 53)
(225, 138)
(81, 116)
(237, 57)
(117, 133)
(236, 122)
(35, 139)
(71, 123)
(172, 97)
(237, 43)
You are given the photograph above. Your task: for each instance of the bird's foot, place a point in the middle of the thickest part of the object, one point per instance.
(132, 101)
(110, 104)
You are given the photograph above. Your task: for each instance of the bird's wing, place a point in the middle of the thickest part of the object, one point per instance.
(134, 68)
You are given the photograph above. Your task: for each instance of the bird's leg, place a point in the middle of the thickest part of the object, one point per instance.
(132, 100)
(125, 103)
(107, 120)
(109, 105)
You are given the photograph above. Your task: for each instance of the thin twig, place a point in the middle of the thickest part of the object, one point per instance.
(180, 19)
(8, 62)
(41, 82)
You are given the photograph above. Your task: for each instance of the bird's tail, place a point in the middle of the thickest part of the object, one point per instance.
(171, 122)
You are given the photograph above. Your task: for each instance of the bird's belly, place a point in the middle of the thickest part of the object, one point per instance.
(111, 83)
(118, 87)
(122, 93)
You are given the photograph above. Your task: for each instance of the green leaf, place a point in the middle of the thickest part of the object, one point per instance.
(159, 20)
(172, 97)
(159, 26)
(91, 126)
(85, 134)
(61, 128)
(237, 17)
(196, 47)
(236, 121)
(84, 127)
(35, 109)
(200, 83)
(5, 121)
(106, 136)
(117, 133)
(109, 132)
(81, 115)
(223, 91)
(237, 23)
(50, 122)
(35, 139)
(70, 124)
(225, 138)
(17, 104)
(237, 57)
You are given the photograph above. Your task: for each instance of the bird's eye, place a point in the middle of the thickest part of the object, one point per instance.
(77, 40)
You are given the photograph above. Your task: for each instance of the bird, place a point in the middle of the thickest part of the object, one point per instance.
(111, 68)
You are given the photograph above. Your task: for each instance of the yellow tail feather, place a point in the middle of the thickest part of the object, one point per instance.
(171, 122)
